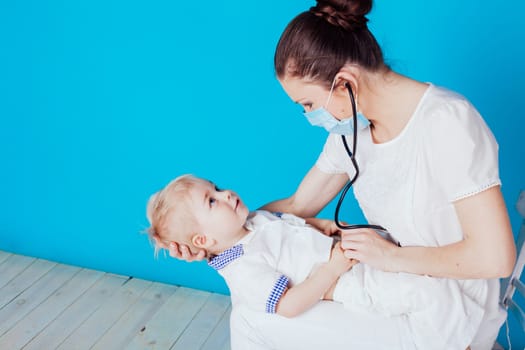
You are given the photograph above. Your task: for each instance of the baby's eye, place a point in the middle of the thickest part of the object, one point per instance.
(212, 202)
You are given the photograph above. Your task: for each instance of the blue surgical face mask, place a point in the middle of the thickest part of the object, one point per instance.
(323, 118)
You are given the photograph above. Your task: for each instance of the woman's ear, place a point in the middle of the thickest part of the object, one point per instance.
(349, 74)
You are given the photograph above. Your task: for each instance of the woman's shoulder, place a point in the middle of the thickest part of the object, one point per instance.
(442, 109)
(460, 149)
(440, 102)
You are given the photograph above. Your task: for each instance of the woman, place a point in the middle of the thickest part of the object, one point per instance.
(428, 173)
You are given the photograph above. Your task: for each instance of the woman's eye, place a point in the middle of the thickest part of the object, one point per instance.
(217, 189)
(307, 107)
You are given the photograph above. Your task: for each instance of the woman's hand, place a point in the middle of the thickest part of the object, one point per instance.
(181, 251)
(328, 227)
(367, 246)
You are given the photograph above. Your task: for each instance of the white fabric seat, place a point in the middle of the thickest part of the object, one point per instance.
(326, 326)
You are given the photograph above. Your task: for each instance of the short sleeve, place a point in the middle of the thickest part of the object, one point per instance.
(255, 284)
(463, 153)
(329, 160)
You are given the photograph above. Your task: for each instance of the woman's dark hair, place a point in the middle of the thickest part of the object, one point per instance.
(318, 43)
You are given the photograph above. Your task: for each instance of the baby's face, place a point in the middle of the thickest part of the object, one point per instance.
(220, 214)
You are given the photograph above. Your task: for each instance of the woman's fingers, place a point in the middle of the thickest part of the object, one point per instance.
(174, 251)
(353, 254)
(185, 252)
(367, 246)
(200, 255)
(182, 252)
(179, 251)
(354, 236)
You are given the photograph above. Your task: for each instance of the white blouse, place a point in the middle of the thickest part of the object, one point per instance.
(408, 185)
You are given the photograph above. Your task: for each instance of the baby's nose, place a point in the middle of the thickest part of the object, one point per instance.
(227, 194)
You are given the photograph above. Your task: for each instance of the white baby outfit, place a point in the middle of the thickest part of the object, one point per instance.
(282, 251)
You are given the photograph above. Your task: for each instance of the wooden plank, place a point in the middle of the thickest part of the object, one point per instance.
(44, 305)
(219, 338)
(13, 266)
(96, 325)
(4, 256)
(78, 312)
(19, 307)
(195, 335)
(135, 319)
(169, 322)
(39, 317)
(24, 280)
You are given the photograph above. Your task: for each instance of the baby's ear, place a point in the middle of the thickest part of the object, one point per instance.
(200, 241)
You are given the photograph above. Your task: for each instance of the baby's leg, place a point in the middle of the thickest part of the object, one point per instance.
(439, 314)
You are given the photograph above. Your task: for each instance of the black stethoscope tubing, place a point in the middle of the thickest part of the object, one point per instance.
(356, 174)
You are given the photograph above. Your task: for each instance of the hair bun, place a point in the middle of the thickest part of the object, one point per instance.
(348, 14)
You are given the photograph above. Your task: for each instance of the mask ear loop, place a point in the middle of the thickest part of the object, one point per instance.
(349, 184)
(330, 94)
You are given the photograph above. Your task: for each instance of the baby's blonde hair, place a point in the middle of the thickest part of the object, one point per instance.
(169, 214)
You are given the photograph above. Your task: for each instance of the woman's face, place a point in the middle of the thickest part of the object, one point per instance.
(311, 96)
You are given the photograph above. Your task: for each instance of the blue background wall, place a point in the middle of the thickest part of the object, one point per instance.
(103, 102)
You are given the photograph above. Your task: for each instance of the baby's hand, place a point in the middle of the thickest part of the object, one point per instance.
(338, 262)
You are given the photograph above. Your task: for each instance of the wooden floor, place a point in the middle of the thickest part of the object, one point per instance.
(45, 305)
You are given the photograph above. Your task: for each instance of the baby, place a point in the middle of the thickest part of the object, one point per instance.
(276, 263)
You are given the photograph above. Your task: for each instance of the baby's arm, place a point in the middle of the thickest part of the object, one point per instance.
(304, 295)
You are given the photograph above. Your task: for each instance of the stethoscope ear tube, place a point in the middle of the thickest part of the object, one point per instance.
(351, 154)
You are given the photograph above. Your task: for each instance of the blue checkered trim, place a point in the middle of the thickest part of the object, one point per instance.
(278, 214)
(220, 261)
(276, 294)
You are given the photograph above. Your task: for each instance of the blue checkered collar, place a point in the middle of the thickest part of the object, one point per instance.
(220, 261)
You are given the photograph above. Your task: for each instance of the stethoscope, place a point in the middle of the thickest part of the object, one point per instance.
(351, 154)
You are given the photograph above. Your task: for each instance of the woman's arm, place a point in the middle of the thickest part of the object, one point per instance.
(486, 251)
(314, 192)
(304, 295)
